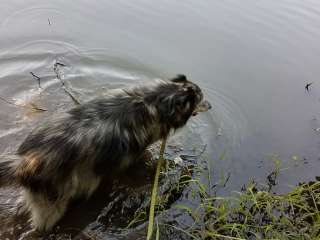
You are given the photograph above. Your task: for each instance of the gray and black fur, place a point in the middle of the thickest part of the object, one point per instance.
(68, 156)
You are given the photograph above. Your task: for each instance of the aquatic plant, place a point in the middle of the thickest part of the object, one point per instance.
(260, 214)
(252, 213)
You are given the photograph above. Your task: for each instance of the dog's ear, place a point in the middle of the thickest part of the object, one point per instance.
(180, 78)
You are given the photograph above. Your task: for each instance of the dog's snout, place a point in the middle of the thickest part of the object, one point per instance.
(203, 106)
(208, 104)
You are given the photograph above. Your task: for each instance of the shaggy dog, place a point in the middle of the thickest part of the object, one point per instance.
(68, 156)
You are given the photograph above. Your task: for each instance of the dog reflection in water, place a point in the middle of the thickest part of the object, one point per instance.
(67, 157)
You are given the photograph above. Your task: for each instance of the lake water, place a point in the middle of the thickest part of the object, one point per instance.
(251, 58)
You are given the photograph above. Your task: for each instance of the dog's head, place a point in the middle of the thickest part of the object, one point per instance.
(179, 99)
(192, 97)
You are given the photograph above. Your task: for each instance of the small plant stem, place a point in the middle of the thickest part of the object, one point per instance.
(155, 189)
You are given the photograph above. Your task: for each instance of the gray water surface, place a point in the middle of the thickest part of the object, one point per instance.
(251, 58)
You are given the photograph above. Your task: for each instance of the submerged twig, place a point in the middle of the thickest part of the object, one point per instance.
(32, 106)
(56, 70)
(60, 64)
(227, 179)
(307, 86)
(76, 101)
(37, 78)
(155, 189)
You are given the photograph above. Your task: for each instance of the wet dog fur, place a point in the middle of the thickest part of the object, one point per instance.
(67, 157)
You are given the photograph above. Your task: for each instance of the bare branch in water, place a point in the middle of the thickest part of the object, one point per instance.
(37, 78)
(31, 106)
(307, 86)
(60, 64)
(56, 70)
(226, 179)
(74, 99)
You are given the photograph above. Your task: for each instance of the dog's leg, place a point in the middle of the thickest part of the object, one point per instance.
(45, 213)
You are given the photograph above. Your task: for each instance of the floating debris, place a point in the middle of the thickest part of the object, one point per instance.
(295, 158)
(37, 78)
(30, 106)
(178, 160)
(307, 86)
(58, 75)
(56, 66)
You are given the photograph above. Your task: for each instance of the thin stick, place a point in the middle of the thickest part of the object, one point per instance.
(56, 70)
(76, 101)
(37, 78)
(32, 107)
(155, 189)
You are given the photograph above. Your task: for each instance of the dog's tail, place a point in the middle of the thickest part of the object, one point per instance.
(7, 173)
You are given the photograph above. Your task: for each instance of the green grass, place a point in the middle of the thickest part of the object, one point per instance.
(252, 213)
(259, 214)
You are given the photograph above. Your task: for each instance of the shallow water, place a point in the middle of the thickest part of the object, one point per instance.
(251, 58)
